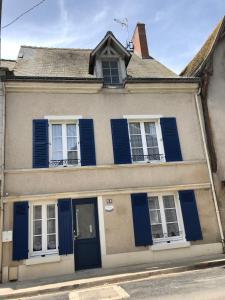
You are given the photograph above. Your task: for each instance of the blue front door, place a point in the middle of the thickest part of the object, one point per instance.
(86, 234)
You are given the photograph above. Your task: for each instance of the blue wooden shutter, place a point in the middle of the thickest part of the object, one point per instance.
(141, 219)
(65, 226)
(20, 230)
(170, 139)
(120, 139)
(87, 142)
(190, 215)
(40, 144)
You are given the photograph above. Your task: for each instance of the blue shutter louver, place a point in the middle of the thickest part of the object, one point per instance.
(40, 144)
(65, 226)
(120, 139)
(190, 215)
(141, 219)
(170, 139)
(20, 230)
(87, 142)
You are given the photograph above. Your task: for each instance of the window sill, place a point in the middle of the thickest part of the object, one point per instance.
(49, 258)
(168, 246)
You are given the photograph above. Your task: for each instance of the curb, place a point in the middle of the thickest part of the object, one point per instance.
(113, 279)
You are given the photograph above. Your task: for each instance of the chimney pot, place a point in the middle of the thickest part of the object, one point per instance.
(139, 41)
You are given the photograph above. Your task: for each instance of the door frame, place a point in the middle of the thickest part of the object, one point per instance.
(88, 200)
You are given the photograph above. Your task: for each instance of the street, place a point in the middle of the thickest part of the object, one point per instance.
(207, 284)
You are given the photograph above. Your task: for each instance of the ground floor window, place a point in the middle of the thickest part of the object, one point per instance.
(43, 226)
(165, 217)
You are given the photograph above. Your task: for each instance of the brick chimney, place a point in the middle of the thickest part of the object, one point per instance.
(139, 40)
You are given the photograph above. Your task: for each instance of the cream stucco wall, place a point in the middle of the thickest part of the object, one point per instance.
(22, 108)
(114, 177)
(117, 235)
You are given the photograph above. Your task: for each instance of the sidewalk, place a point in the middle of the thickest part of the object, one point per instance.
(96, 277)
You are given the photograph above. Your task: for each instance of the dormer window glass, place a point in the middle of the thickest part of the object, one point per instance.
(110, 72)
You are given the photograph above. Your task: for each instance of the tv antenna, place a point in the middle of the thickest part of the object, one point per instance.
(124, 24)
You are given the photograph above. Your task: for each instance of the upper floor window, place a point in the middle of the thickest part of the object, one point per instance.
(110, 72)
(166, 223)
(145, 141)
(64, 143)
(44, 238)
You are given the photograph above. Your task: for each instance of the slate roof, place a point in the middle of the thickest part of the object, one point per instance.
(196, 64)
(74, 63)
(7, 63)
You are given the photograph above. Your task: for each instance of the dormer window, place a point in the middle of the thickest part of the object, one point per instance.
(109, 61)
(110, 72)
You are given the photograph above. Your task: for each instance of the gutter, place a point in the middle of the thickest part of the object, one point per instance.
(167, 80)
(202, 127)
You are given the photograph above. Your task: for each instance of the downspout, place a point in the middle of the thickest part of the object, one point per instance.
(202, 127)
(2, 175)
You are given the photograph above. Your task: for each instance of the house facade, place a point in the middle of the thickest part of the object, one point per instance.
(208, 65)
(104, 162)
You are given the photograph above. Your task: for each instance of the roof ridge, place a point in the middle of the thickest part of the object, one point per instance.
(55, 48)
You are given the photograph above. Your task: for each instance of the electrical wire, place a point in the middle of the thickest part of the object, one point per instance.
(24, 13)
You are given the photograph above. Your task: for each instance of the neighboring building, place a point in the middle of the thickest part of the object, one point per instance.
(104, 162)
(209, 65)
(4, 66)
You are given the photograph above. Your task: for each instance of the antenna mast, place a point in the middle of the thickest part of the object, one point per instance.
(124, 24)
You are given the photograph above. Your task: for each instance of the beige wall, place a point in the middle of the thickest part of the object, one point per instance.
(102, 178)
(119, 224)
(22, 108)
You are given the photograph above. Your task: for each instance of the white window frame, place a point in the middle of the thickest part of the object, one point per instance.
(173, 239)
(44, 250)
(64, 122)
(143, 137)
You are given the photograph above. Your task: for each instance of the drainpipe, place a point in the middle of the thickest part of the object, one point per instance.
(2, 174)
(201, 121)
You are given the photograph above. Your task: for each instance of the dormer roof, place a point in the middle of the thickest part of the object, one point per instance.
(108, 40)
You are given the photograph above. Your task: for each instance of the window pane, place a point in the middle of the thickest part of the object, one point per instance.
(113, 64)
(71, 143)
(51, 226)
(137, 154)
(56, 130)
(37, 244)
(37, 212)
(168, 201)
(114, 72)
(134, 128)
(153, 154)
(173, 229)
(51, 241)
(155, 217)
(171, 215)
(115, 79)
(106, 72)
(71, 129)
(72, 155)
(58, 155)
(57, 144)
(136, 141)
(51, 211)
(105, 64)
(37, 227)
(150, 128)
(153, 202)
(151, 141)
(157, 231)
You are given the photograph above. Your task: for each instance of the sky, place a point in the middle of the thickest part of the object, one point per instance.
(176, 29)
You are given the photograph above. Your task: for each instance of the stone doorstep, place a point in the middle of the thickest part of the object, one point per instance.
(109, 279)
